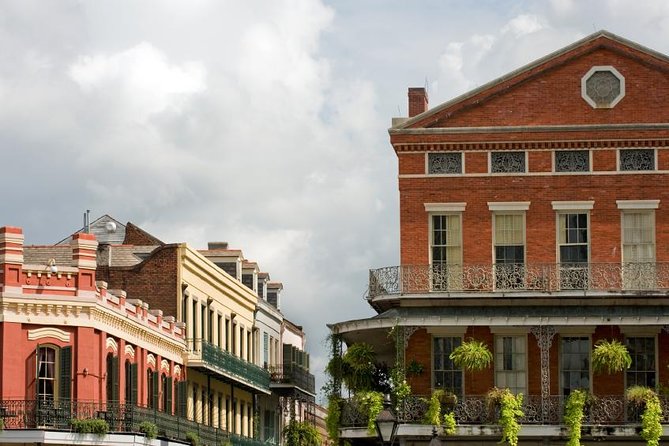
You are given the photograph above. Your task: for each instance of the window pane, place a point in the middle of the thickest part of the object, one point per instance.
(446, 375)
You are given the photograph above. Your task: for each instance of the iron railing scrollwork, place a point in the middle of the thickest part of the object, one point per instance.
(510, 277)
(58, 414)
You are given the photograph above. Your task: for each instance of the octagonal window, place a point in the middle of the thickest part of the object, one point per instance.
(603, 87)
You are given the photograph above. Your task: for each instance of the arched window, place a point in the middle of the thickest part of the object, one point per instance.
(53, 372)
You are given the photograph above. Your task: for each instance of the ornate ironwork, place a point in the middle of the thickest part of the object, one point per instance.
(444, 163)
(544, 335)
(478, 409)
(416, 279)
(572, 161)
(507, 162)
(637, 159)
(603, 87)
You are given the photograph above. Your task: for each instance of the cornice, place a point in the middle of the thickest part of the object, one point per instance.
(558, 144)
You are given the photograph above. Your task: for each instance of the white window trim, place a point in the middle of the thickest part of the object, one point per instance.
(503, 206)
(445, 207)
(560, 212)
(431, 229)
(638, 204)
(494, 230)
(573, 205)
(610, 69)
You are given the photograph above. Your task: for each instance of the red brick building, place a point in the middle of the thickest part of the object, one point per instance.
(72, 349)
(533, 217)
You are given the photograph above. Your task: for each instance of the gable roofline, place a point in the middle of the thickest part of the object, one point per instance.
(83, 228)
(407, 123)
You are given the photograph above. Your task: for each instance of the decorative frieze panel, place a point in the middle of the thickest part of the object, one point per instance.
(637, 159)
(507, 162)
(444, 163)
(572, 161)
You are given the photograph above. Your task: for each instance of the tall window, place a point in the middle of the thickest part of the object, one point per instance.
(638, 236)
(509, 250)
(575, 364)
(510, 362)
(166, 389)
(46, 373)
(130, 383)
(573, 250)
(265, 349)
(446, 251)
(152, 389)
(446, 375)
(642, 372)
(112, 378)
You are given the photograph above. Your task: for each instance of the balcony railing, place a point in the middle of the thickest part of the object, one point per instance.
(293, 375)
(510, 277)
(226, 362)
(476, 410)
(57, 415)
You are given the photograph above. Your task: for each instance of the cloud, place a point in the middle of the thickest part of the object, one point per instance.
(141, 77)
(522, 25)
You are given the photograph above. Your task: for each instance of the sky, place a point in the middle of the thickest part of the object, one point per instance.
(259, 123)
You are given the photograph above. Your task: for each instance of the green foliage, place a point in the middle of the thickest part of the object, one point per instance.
(399, 387)
(358, 367)
(333, 418)
(415, 368)
(193, 438)
(472, 355)
(449, 423)
(301, 433)
(610, 357)
(651, 427)
(433, 413)
(226, 442)
(573, 416)
(510, 411)
(149, 429)
(372, 403)
(90, 426)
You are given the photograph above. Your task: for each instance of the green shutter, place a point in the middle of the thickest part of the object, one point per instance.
(168, 409)
(182, 398)
(65, 378)
(156, 387)
(115, 379)
(133, 384)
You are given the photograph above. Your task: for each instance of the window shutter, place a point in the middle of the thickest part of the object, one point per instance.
(156, 386)
(35, 382)
(182, 398)
(65, 378)
(115, 379)
(133, 384)
(168, 409)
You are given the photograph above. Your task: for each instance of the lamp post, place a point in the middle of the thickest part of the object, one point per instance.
(435, 439)
(386, 423)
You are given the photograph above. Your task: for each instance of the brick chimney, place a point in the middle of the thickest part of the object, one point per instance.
(11, 258)
(417, 101)
(84, 252)
(217, 245)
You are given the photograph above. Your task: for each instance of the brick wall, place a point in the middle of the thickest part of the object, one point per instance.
(153, 281)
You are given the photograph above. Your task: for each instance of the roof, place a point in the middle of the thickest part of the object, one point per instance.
(474, 97)
(37, 255)
(124, 255)
(98, 227)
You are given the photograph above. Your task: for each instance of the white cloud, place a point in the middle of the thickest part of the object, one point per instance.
(140, 76)
(523, 24)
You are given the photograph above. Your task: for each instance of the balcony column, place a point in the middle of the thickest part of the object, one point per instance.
(544, 335)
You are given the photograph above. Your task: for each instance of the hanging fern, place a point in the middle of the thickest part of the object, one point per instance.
(359, 365)
(472, 355)
(573, 416)
(610, 357)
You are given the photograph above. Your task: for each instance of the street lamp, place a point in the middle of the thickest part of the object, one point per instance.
(386, 423)
(435, 440)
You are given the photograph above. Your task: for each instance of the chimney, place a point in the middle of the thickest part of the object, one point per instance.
(417, 101)
(217, 245)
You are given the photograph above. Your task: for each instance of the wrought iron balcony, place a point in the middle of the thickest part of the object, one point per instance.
(518, 277)
(476, 410)
(230, 365)
(48, 415)
(293, 375)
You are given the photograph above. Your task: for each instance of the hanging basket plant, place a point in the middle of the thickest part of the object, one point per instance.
(651, 418)
(472, 355)
(610, 357)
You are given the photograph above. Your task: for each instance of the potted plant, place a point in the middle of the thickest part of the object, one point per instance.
(610, 357)
(415, 368)
(510, 412)
(651, 427)
(359, 366)
(149, 429)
